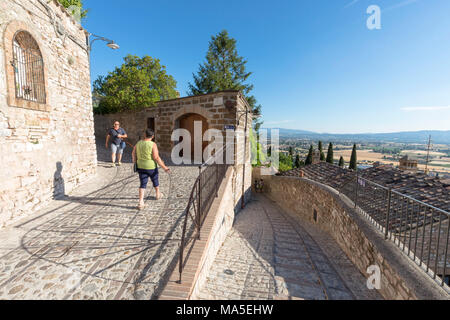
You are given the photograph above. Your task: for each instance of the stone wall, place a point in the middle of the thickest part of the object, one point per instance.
(47, 149)
(363, 244)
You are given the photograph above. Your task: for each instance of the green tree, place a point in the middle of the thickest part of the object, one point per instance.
(137, 84)
(257, 156)
(354, 159)
(285, 163)
(298, 162)
(330, 155)
(322, 155)
(309, 158)
(224, 69)
(77, 3)
(341, 162)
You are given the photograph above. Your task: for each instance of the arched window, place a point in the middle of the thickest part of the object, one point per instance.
(28, 66)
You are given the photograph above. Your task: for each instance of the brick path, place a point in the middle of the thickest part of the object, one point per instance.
(271, 255)
(94, 244)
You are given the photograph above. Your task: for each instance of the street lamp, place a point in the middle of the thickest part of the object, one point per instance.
(110, 43)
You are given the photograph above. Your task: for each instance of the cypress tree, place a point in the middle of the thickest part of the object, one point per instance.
(354, 159)
(341, 162)
(225, 69)
(322, 155)
(291, 152)
(309, 158)
(330, 155)
(298, 162)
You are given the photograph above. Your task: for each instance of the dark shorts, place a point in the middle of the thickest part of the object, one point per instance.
(144, 175)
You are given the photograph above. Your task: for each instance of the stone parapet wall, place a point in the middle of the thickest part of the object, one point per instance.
(362, 243)
(47, 149)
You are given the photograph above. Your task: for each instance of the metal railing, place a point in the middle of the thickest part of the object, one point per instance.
(420, 230)
(204, 191)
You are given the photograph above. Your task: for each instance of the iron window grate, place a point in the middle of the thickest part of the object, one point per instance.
(28, 74)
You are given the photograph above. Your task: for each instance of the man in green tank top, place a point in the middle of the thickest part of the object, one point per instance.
(146, 155)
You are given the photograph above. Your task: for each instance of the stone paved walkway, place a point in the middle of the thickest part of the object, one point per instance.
(94, 244)
(271, 255)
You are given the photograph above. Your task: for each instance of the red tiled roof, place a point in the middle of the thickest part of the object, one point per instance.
(430, 190)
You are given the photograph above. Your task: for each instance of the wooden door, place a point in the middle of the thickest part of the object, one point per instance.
(187, 122)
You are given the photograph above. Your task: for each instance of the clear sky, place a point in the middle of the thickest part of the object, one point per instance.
(316, 66)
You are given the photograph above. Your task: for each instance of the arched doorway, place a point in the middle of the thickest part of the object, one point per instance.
(187, 122)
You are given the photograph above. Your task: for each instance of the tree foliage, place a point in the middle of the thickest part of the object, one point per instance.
(330, 155)
(322, 155)
(298, 162)
(309, 158)
(341, 162)
(258, 157)
(224, 69)
(291, 152)
(77, 3)
(286, 162)
(138, 83)
(354, 159)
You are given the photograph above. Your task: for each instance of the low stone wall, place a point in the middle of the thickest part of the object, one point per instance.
(362, 243)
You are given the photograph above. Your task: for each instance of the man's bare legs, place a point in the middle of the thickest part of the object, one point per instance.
(113, 158)
(120, 157)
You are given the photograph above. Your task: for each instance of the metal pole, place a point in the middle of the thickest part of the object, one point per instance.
(245, 158)
(217, 180)
(199, 201)
(445, 256)
(437, 246)
(388, 213)
(431, 240)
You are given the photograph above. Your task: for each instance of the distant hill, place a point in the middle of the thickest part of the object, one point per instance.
(438, 137)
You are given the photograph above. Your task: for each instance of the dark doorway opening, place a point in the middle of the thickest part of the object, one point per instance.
(187, 122)
(151, 123)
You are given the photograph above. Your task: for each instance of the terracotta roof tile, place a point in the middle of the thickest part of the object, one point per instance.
(420, 186)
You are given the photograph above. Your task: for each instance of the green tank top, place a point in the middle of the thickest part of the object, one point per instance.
(144, 150)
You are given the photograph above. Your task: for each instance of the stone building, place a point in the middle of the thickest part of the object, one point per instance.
(46, 122)
(225, 111)
(316, 157)
(408, 164)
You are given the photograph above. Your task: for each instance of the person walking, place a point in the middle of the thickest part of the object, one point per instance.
(116, 134)
(146, 156)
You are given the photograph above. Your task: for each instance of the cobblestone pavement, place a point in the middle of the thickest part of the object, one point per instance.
(271, 255)
(95, 244)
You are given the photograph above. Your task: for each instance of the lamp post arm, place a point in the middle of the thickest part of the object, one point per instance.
(95, 38)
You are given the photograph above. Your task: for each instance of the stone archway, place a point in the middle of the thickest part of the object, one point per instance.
(187, 121)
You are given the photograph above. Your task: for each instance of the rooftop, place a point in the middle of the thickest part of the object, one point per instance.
(430, 190)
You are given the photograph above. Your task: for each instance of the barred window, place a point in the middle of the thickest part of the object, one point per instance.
(28, 68)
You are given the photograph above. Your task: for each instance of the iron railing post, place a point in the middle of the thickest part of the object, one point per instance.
(356, 190)
(388, 213)
(199, 215)
(445, 255)
(217, 180)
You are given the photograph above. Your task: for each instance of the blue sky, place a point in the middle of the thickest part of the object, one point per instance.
(316, 66)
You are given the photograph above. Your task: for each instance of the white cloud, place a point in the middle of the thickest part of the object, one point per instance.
(351, 3)
(279, 122)
(431, 108)
(400, 5)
